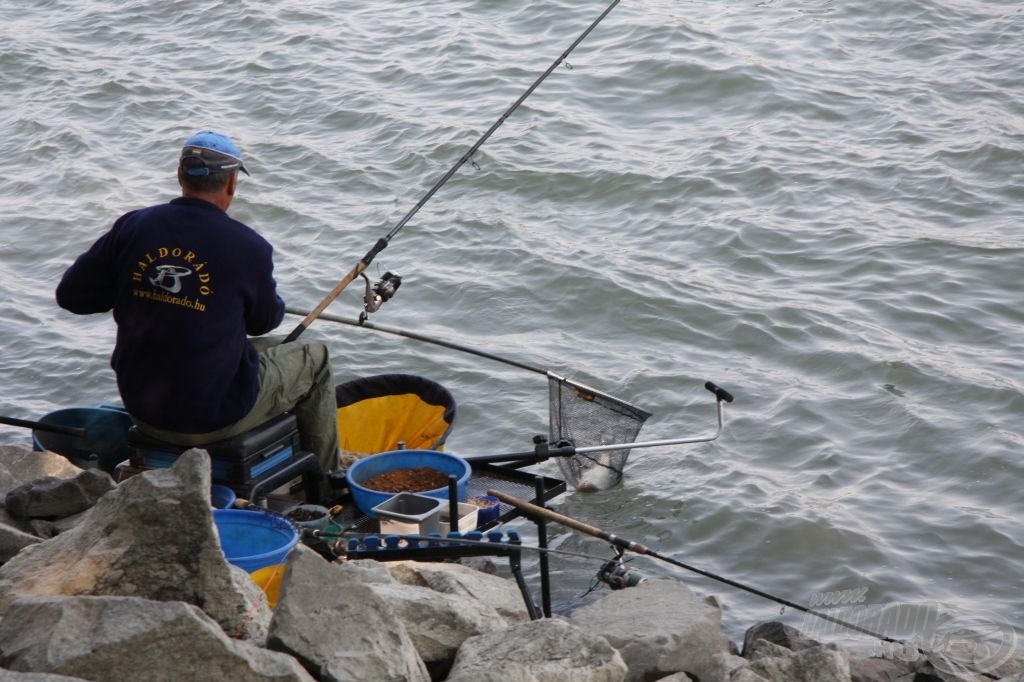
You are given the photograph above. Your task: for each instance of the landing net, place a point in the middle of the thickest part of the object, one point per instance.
(588, 417)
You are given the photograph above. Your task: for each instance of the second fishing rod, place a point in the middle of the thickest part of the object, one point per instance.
(380, 292)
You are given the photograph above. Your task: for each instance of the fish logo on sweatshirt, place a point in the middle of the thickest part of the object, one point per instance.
(168, 277)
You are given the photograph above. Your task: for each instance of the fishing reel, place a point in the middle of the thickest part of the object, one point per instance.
(617, 576)
(378, 293)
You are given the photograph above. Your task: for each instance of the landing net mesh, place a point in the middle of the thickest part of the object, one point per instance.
(588, 418)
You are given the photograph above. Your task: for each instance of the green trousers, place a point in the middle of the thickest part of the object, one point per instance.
(294, 377)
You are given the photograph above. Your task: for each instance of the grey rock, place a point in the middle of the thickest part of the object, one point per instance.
(816, 664)
(725, 667)
(52, 497)
(762, 648)
(338, 628)
(8, 520)
(878, 669)
(659, 627)
(20, 464)
(41, 528)
(127, 638)
(437, 623)
(13, 540)
(776, 633)
(152, 537)
(484, 564)
(364, 571)
(548, 650)
(499, 593)
(66, 523)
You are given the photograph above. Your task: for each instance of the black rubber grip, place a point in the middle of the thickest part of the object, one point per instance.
(296, 333)
(381, 244)
(78, 432)
(720, 393)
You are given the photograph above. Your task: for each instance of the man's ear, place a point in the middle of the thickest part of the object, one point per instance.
(232, 184)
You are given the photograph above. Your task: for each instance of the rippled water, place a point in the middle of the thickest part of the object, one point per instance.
(818, 206)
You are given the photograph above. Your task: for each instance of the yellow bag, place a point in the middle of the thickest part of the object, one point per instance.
(269, 580)
(377, 413)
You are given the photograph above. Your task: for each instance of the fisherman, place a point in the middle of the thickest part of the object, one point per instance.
(188, 286)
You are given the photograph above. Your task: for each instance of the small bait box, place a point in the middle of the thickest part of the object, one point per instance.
(409, 514)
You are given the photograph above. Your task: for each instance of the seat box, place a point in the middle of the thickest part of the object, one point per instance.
(238, 461)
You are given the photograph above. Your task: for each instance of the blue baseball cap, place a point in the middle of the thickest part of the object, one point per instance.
(209, 152)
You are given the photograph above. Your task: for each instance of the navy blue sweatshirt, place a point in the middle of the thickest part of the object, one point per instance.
(188, 284)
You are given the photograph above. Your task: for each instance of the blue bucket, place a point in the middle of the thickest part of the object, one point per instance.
(253, 540)
(107, 436)
(375, 465)
(221, 496)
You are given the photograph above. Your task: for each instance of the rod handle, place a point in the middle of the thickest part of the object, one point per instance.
(42, 426)
(297, 332)
(335, 292)
(719, 392)
(568, 522)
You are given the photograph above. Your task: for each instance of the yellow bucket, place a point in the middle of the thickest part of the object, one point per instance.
(269, 580)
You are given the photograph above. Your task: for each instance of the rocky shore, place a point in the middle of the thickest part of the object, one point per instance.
(105, 581)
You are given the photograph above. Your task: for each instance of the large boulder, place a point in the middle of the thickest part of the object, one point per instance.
(660, 627)
(127, 638)
(152, 537)
(332, 621)
(870, 669)
(778, 633)
(437, 623)
(551, 650)
(824, 663)
(362, 571)
(21, 464)
(54, 498)
(499, 593)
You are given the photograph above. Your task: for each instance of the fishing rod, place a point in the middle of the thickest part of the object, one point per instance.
(42, 426)
(589, 390)
(622, 545)
(420, 337)
(383, 290)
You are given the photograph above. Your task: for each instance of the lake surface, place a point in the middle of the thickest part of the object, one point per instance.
(818, 206)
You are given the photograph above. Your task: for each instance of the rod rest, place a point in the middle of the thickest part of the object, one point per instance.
(438, 548)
